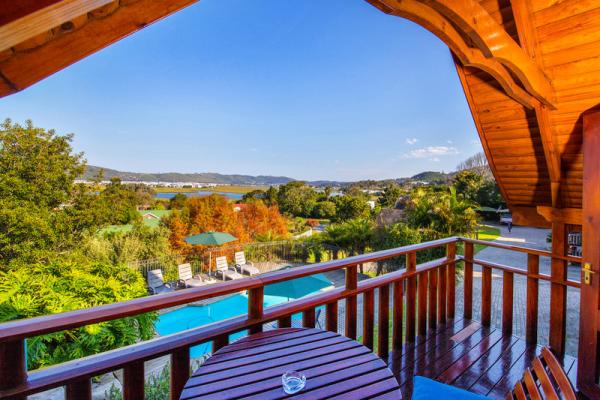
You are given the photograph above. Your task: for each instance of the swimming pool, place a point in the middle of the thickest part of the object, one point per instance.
(193, 316)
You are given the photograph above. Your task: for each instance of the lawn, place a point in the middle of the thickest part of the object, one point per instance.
(486, 232)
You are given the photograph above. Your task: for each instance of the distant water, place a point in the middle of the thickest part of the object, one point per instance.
(169, 195)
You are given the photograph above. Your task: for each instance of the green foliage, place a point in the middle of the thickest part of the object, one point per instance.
(354, 235)
(37, 166)
(325, 209)
(297, 199)
(156, 387)
(478, 188)
(390, 196)
(59, 286)
(177, 202)
(351, 207)
(443, 211)
(253, 195)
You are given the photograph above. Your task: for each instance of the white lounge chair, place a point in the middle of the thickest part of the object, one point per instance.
(224, 271)
(156, 282)
(243, 265)
(187, 279)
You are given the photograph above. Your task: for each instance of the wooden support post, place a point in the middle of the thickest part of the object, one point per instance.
(13, 366)
(486, 296)
(255, 308)
(383, 338)
(180, 371)
(507, 303)
(531, 326)
(133, 381)
(451, 280)
(331, 318)
(588, 368)
(285, 322)
(558, 292)
(422, 303)
(219, 342)
(308, 318)
(368, 314)
(411, 265)
(351, 303)
(432, 312)
(79, 390)
(442, 275)
(468, 281)
(398, 316)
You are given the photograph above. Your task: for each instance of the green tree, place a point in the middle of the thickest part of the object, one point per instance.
(390, 196)
(253, 195)
(325, 209)
(177, 202)
(296, 199)
(351, 207)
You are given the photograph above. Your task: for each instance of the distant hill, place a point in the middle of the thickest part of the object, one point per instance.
(203, 177)
(431, 177)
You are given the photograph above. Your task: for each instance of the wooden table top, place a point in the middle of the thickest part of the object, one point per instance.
(335, 366)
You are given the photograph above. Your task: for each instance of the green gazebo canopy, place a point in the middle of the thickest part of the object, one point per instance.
(210, 239)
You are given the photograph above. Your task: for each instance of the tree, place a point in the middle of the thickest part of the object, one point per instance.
(177, 202)
(296, 199)
(263, 223)
(325, 209)
(390, 196)
(467, 183)
(477, 163)
(351, 207)
(253, 195)
(37, 166)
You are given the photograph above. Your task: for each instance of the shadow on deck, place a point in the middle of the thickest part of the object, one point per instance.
(467, 355)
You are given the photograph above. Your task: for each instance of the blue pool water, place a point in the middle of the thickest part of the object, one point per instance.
(193, 316)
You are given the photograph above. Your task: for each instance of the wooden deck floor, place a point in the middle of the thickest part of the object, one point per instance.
(467, 355)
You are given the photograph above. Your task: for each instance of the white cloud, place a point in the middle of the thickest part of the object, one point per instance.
(434, 159)
(431, 152)
(412, 141)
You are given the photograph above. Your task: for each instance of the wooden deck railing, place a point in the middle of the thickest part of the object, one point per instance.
(431, 284)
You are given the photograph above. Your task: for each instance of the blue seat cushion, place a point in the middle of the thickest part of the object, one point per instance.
(428, 389)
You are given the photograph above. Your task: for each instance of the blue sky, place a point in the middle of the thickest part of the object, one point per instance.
(309, 89)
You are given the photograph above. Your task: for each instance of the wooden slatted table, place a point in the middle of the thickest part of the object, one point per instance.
(335, 366)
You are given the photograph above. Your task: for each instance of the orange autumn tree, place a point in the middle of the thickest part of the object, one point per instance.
(216, 213)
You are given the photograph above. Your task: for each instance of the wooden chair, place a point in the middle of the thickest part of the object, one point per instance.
(544, 380)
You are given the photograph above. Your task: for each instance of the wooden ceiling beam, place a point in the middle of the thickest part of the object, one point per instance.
(523, 16)
(25, 68)
(45, 19)
(491, 38)
(571, 216)
(431, 20)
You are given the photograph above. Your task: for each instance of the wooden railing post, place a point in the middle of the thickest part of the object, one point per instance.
(133, 381)
(507, 302)
(531, 326)
(558, 292)
(398, 316)
(432, 311)
(383, 338)
(79, 390)
(441, 292)
(368, 314)
(451, 281)
(13, 366)
(351, 303)
(255, 307)
(411, 265)
(180, 371)
(331, 318)
(486, 296)
(468, 281)
(422, 302)
(219, 342)
(308, 318)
